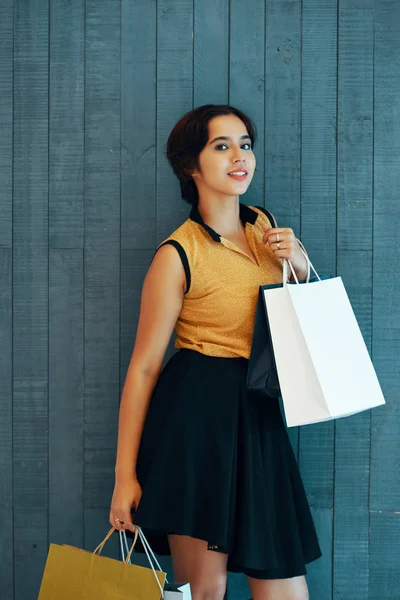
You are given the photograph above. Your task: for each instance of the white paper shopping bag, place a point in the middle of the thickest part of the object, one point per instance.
(324, 368)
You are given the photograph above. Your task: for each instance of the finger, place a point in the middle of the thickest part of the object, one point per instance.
(117, 523)
(127, 519)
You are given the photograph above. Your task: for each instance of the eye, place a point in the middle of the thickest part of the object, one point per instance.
(246, 144)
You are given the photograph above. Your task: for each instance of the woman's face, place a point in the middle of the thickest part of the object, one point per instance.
(222, 156)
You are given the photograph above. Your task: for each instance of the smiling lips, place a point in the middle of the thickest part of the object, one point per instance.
(239, 175)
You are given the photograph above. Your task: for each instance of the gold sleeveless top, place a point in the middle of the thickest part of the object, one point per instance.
(218, 311)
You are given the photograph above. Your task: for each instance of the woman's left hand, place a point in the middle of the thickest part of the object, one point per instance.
(283, 243)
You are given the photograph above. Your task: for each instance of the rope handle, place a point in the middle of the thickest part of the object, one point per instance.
(309, 265)
(147, 548)
(100, 547)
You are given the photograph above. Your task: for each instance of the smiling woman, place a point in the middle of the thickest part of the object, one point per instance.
(206, 464)
(197, 137)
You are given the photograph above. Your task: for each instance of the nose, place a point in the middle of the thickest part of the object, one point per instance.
(240, 156)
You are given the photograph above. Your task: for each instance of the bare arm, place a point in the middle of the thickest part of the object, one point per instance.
(161, 303)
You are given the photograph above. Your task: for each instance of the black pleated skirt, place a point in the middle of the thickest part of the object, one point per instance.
(215, 463)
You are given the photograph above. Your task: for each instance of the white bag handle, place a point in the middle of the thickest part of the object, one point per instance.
(285, 268)
(123, 541)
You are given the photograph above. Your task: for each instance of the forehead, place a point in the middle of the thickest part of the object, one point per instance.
(228, 125)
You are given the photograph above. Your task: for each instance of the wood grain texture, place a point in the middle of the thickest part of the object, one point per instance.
(352, 453)
(384, 556)
(319, 572)
(30, 296)
(318, 213)
(354, 264)
(282, 121)
(247, 78)
(66, 124)
(174, 99)
(66, 396)
(211, 52)
(138, 116)
(6, 123)
(6, 281)
(318, 204)
(102, 249)
(6, 428)
(385, 440)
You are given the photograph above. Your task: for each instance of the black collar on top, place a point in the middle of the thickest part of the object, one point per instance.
(247, 215)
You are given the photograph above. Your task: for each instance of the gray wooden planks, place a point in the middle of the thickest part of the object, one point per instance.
(318, 211)
(102, 251)
(319, 572)
(6, 122)
(282, 121)
(66, 236)
(66, 124)
(211, 52)
(174, 99)
(6, 264)
(385, 445)
(384, 556)
(138, 118)
(30, 296)
(354, 264)
(66, 396)
(6, 428)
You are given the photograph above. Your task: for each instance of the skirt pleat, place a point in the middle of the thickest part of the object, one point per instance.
(215, 463)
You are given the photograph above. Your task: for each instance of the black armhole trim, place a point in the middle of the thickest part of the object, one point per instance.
(184, 260)
(270, 216)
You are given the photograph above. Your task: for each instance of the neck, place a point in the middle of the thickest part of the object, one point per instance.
(222, 216)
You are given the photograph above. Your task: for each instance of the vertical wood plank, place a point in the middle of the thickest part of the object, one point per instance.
(211, 52)
(352, 453)
(247, 78)
(384, 556)
(30, 296)
(6, 120)
(66, 123)
(66, 397)
(385, 473)
(66, 139)
(6, 175)
(282, 121)
(102, 251)
(355, 199)
(6, 456)
(138, 116)
(318, 213)
(319, 572)
(174, 99)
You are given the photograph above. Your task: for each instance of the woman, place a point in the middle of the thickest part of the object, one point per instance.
(202, 461)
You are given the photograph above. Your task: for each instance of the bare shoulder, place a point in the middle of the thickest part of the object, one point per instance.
(167, 265)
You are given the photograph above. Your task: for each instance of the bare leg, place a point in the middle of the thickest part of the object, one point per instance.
(204, 569)
(279, 589)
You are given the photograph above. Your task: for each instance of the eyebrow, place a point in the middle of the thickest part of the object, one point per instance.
(224, 137)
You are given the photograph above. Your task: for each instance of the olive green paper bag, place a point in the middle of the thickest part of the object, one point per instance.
(74, 574)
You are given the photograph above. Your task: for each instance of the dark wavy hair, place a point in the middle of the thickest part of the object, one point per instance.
(188, 138)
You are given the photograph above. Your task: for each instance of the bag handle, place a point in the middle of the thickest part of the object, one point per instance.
(309, 264)
(147, 548)
(100, 547)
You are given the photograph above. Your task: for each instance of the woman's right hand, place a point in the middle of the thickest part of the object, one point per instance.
(126, 495)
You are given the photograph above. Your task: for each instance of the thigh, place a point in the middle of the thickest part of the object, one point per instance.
(294, 588)
(204, 569)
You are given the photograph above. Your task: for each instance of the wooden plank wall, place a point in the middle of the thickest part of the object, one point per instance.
(89, 93)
